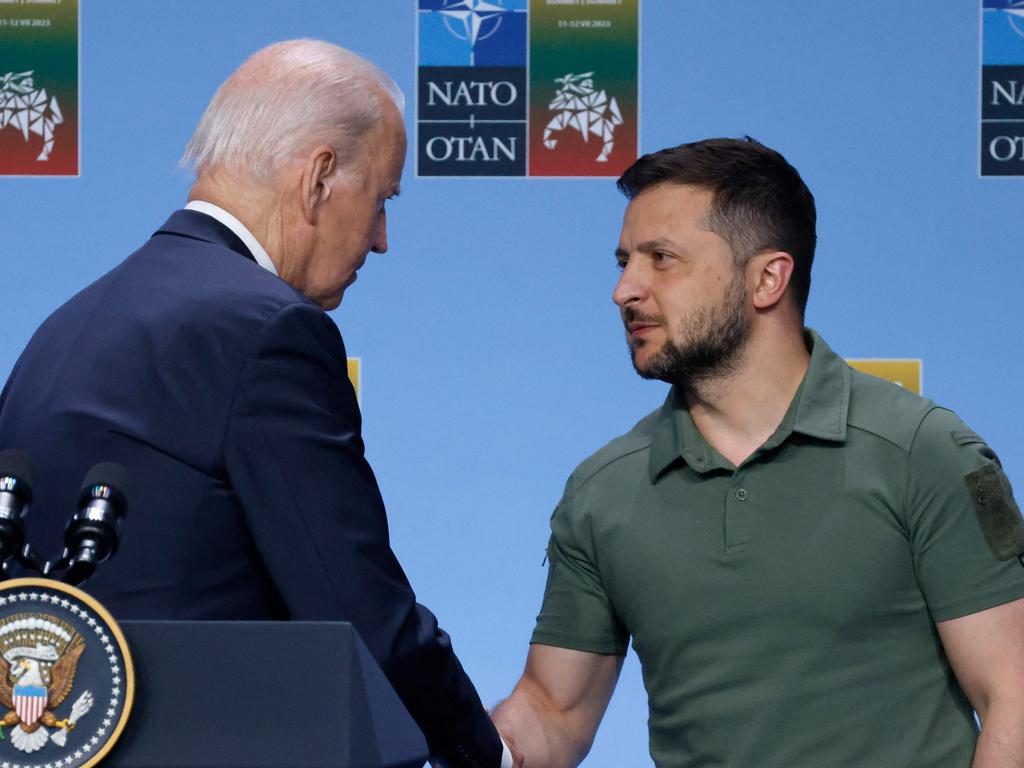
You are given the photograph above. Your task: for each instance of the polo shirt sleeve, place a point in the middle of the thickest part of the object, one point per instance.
(576, 612)
(965, 527)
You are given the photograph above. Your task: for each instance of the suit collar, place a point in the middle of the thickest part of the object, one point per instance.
(199, 226)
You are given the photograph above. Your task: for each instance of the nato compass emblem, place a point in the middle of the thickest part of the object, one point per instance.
(66, 677)
(1014, 11)
(472, 20)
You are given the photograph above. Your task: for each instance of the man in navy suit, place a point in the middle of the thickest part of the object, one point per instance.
(205, 364)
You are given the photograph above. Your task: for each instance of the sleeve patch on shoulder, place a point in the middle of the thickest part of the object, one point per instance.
(965, 436)
(998, 513)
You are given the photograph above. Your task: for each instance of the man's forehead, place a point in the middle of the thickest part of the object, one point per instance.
(668, 206)
(669, 195)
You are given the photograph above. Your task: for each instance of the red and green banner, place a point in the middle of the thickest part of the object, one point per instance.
(39, 88)
(584, 61)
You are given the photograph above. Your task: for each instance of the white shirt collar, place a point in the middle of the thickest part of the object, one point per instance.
(229, 221)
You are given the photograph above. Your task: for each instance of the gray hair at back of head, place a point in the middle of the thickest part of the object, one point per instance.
(286, 99)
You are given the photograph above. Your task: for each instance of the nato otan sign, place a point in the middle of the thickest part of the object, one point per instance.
(527, 87)
(1002, 88)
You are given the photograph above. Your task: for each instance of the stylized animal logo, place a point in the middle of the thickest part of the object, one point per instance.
(36, 679)
(26, 108)
(579, 105)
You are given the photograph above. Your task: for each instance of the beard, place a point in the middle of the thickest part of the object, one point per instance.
(711, 339)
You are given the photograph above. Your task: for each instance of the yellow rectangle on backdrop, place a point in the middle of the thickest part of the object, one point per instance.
(355, 371)
(906, 373)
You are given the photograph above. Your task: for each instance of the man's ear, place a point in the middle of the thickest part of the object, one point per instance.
(314, 188)
(772, 271)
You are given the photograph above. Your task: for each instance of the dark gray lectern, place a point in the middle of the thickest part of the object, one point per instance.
(261, 695)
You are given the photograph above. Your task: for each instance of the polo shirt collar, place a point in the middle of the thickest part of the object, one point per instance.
(819, 409)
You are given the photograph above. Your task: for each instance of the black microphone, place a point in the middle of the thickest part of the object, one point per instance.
(91, 535)
(17, 474)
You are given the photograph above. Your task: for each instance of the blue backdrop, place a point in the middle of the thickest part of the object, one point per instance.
(493, 358)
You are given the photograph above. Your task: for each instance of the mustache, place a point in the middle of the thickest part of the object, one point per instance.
(631, 315)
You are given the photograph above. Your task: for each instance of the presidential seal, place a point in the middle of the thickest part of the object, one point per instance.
(66, 677)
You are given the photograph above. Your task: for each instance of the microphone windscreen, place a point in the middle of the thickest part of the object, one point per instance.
(18, 464)
(106, 473)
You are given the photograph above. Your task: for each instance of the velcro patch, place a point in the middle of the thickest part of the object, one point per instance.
(998, 513)
(965, 436)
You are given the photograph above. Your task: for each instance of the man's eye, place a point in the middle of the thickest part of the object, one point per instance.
(620, 264)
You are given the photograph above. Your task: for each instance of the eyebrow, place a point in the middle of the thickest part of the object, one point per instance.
(648, 246)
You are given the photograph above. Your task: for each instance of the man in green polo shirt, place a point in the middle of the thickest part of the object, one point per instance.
(816, 567)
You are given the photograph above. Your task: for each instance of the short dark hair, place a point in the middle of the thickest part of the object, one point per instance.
(759, 200)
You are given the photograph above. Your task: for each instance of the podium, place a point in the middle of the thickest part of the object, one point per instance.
(261, 695)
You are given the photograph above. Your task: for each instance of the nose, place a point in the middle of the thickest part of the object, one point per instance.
(380, 237)
(631, 288)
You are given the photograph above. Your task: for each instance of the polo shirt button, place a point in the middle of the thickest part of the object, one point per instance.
(741, 494)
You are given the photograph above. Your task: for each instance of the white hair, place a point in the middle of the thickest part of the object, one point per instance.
(286, 99)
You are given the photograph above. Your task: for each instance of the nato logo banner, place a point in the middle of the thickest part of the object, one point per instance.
(471, 89)
(527, 87)
(39, 88)
(1002, 88)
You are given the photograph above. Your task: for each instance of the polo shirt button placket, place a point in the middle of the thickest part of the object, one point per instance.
(738, 524)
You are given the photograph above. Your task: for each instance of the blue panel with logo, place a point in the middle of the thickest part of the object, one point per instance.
(1002, 88)
(471, 87)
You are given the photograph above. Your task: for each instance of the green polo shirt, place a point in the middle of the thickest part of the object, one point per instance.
(784, 610)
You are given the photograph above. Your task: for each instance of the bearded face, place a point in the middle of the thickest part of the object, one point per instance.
(682, 297)
(704, 343)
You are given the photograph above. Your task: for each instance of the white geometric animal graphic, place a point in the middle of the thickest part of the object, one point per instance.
(24, 107)
(587, 110)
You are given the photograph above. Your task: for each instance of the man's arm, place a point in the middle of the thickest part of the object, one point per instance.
(294, 455)
(553, 713)
(986, 650)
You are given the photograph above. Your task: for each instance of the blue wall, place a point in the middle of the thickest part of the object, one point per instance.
(493, 357)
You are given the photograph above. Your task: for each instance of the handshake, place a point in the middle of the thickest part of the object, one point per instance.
(551, 717)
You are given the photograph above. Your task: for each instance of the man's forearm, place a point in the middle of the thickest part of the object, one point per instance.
(536, 733)
(1001, 744)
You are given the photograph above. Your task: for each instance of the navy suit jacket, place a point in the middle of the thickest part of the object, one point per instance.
(225, 394)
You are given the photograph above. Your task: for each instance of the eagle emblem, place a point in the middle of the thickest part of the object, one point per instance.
(39, 657)
(66, 676)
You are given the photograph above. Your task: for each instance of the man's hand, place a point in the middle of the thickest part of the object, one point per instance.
(551, 717)
(516, 755)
